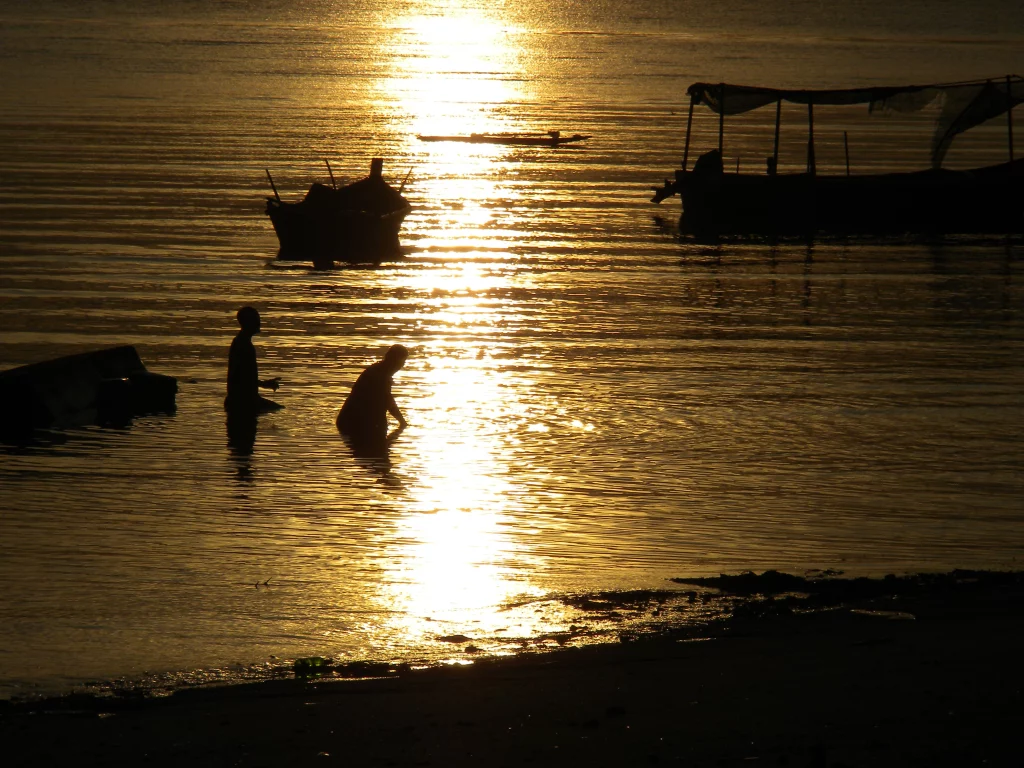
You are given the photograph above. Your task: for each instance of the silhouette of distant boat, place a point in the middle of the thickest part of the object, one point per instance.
(986, 200)
(549, 139)
(355, 223)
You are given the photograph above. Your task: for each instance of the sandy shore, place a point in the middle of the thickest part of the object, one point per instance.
(931, 678)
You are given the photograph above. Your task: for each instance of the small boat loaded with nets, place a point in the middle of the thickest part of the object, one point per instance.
(549, 139)
(355, 223)
(934, 200)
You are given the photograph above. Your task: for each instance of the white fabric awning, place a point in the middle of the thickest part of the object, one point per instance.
(963, 105)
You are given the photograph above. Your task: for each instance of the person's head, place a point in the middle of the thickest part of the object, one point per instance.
(395, 357)
(249, 319)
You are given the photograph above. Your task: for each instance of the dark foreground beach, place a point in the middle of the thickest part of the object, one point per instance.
(898, 672)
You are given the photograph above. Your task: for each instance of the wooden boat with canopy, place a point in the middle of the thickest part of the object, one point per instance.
(936, 200)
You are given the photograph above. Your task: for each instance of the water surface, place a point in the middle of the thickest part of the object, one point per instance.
(595, 402)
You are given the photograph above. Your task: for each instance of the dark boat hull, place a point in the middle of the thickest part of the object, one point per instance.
(353, 236)
(104, 386)
(985, 200)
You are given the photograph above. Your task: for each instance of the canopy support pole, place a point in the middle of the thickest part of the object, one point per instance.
(1009, 115)
(721, 116)
(778, 127)
(689, 125)
(811, 169)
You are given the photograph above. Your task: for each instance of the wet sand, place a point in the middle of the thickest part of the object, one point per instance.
(875, 674)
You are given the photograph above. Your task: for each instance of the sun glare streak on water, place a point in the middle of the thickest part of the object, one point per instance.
(456, 72)
(454, 537)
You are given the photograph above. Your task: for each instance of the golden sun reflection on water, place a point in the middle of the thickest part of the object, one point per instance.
(456, 71)
(459, 559)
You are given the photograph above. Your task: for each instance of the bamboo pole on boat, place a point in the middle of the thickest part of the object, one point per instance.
(778, 127)
(846, 149)
(721, 116)
(1009, 114)
(328, 164)
(271, 180)
(689, 125)
(810, 138)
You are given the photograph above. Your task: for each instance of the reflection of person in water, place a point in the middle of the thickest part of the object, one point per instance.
(364, 416)
(243, 374)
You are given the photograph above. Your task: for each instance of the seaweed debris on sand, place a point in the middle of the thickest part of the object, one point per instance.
(832, 687)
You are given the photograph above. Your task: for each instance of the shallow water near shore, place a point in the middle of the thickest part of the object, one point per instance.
(595, 403)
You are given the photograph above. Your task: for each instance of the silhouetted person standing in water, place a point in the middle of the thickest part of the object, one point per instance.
(364, 416)
(243, 374)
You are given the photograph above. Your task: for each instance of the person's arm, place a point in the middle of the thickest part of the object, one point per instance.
(394, 411)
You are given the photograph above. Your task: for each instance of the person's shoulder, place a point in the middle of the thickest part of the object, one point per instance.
(241, 340)
(373, 369)
(374, 372)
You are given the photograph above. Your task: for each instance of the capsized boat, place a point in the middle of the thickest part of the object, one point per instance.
(355, 223)
(549, 139)
(935, 200)
(98, 387)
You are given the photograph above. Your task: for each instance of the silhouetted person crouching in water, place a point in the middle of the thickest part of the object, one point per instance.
(243, 374)
(364, 416)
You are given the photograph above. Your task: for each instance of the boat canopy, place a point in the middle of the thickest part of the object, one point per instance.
(962, 105)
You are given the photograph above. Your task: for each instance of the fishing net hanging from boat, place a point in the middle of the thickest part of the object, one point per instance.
(968, 106)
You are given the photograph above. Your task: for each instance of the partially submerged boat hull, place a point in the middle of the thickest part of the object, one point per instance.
(103, 386)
